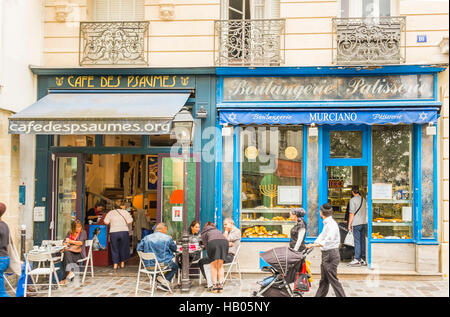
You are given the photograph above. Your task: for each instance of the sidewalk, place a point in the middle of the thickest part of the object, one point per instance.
(122, 284)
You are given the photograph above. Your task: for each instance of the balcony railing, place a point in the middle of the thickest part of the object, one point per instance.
(359, 41)
(113, 43)
(249, 42)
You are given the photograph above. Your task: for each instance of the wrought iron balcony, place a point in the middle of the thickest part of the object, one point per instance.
(113, 43)
(249, 42)
(369, 40)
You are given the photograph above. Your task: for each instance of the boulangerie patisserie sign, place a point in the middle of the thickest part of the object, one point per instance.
(397, 87)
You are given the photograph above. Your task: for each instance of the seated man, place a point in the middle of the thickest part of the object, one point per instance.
(163, 246)
(233, 234)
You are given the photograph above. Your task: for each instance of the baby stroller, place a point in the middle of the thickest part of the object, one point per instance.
(284, 266)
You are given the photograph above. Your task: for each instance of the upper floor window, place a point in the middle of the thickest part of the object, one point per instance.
(367, 8)
(118, 10)
(250, 9)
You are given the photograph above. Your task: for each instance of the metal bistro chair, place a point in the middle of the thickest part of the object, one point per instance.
(152, 273)
(87, 261)
(235, 263)
(195, 263)
(40, 257)
(56, 259)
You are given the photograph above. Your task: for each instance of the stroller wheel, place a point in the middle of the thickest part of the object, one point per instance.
(297, 294)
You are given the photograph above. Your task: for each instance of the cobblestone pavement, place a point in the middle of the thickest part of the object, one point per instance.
(123, 285)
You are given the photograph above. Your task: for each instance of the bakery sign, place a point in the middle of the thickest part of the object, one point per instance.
(395, 87)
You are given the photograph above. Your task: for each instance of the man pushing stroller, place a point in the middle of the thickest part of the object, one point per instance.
(328, 241)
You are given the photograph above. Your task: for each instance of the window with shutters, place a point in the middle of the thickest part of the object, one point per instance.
(249, 33)
(118, 10)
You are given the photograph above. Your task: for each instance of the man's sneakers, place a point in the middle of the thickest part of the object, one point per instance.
(162, 284)
(355, 262)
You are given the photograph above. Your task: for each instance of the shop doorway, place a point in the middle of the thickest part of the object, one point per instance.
(151, 183)
(346, 164)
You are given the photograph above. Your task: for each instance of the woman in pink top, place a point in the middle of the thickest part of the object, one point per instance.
(119, 221)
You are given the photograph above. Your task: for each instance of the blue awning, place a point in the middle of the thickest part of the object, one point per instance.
(330, 116)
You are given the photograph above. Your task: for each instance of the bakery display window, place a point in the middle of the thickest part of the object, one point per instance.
(271, 180)
(392, 201)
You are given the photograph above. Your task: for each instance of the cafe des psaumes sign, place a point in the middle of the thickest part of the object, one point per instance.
(123, 81)
(397, 87)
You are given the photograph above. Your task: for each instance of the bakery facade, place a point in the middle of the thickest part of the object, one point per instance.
(104, 135)
(301, 137)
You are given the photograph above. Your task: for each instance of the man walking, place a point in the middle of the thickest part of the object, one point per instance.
(328, 241)
(357, 223)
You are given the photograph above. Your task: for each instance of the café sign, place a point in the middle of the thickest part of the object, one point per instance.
(395, 87)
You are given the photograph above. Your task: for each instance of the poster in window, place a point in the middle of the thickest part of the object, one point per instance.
(289, 195)
(177, 213)
(97, 233)
(152, 172)
(382, 191)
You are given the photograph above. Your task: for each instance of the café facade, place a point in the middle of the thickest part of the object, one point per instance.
(104, 135)
(302, 137)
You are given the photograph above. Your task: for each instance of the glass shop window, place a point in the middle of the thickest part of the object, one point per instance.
(122, 140)
(346, 144)
(74, 140)
(392, 201)
(271, 180)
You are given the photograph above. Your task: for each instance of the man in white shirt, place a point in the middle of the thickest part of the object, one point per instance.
(328, 241)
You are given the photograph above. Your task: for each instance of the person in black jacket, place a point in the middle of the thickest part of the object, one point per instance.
(298, 232)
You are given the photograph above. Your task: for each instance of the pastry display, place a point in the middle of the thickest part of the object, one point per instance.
(262, 232)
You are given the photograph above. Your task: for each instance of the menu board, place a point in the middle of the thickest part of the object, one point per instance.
(381, 191)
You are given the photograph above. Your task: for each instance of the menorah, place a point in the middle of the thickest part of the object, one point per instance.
(269, 191)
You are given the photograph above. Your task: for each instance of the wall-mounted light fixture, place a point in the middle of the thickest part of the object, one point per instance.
(431, 129)
(313, 131)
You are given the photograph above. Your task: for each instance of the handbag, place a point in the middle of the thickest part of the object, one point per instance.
(349, 240)
(130, 226)
(302, 283)
(14, 259)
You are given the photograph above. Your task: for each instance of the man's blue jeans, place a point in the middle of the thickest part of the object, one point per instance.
(173, 270)
(359, 235)
(4, 264)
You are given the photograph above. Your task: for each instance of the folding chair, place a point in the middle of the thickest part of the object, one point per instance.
(56, 259)
(87, 261)
(40, 257)
(151, 273)
(235, 262)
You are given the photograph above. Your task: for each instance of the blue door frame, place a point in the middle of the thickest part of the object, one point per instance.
(365, 160)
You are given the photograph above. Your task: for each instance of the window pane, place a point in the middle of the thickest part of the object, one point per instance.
(385, 8)
(74, 140)
(345, 144)
(392, 182)
(122, 140)
(272, 162)
(368, 8)
(345, 8)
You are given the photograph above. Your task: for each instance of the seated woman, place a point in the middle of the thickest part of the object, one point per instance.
(194, 238)
(75, 250)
